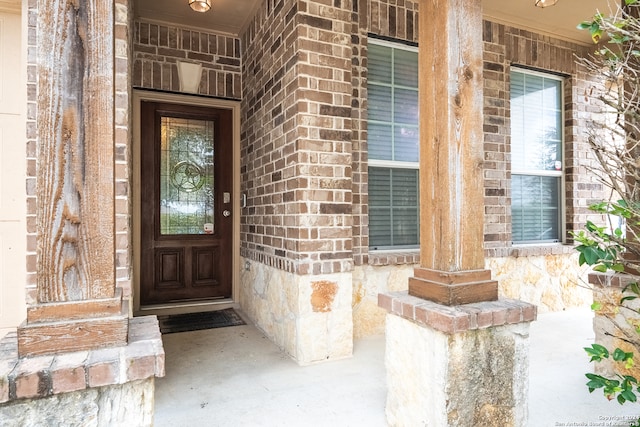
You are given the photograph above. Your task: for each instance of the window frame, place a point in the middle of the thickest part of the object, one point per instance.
(394, 164)
(562, 198)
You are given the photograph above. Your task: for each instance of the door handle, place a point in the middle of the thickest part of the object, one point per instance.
(226, 213)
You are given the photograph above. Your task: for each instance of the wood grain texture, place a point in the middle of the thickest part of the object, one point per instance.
(62, 334)
(453, 288)
(78, 335)
(451, 135)
(74, 310)
(75, 177)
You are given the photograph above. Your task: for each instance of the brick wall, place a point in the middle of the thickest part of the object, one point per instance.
(123, 168)
(505, 46)
(272, 145)
(32, 141)
(398, 21)
(158, 47)
(296, 137)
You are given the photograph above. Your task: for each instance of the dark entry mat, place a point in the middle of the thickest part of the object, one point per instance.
(198, 321)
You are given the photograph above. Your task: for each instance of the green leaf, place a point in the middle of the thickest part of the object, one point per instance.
(601, 268)
(584, 25)
(619, 355)
(629, 363)
(592, 255)
(596, 306)
(597, 353)
(618, 267)
(581, 259)
(629, 395)
(632, 287)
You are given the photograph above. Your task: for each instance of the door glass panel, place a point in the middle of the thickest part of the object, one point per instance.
(186, 176)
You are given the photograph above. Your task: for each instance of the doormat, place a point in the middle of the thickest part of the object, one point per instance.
(173, 323)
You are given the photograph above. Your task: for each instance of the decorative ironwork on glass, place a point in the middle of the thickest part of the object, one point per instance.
(186, 176)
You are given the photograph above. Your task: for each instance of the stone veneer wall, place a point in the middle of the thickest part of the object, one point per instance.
(128, 404)
(456, 366)
(157, 47)
(613, 327)
(308, 316)
(553, 282)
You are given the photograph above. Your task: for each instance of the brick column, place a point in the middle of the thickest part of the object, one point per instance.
(78, 306)
(451, 156)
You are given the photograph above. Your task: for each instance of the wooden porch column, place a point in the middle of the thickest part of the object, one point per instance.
(451, 156)
(78, 307)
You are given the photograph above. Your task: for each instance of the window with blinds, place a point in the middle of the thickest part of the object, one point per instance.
(393, 145)
(536, 157)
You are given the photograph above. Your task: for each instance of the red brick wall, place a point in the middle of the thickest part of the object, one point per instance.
(398, 21)
(289, 120)
(296, 137)
(123, 18)
(505, 46)
(157, 48)
(32, 141)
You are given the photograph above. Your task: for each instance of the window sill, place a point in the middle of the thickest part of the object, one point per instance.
(394, 257)
(540, 249)
(412, 256)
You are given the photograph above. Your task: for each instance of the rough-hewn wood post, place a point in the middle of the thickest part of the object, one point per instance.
(78, 307)
(451, 156)
(450, 330)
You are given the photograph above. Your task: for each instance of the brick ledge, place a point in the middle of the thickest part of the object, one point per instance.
(453, 319)
(612, 279)
(43, 376)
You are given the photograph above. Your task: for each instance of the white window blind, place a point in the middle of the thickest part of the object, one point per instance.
(536, 156)
(393, 145)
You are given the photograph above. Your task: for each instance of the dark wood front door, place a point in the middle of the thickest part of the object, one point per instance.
(186, 199)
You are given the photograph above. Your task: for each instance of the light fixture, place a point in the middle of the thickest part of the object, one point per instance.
(200, 5)
(189, 76)
(545, 3)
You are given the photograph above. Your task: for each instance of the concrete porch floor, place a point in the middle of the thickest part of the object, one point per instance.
(236, 377)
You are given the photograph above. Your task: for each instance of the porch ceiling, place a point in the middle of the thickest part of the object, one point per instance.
(231, 16)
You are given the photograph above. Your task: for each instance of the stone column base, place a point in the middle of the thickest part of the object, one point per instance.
(129, 404)
(456, 366)
(106, 386)
(614, 327)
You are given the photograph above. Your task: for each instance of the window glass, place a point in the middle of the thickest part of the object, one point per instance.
(536, 157)
(393, 145)
(393, 207)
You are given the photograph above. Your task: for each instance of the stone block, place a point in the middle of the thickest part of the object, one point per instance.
(469, 378)
(129, 404)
